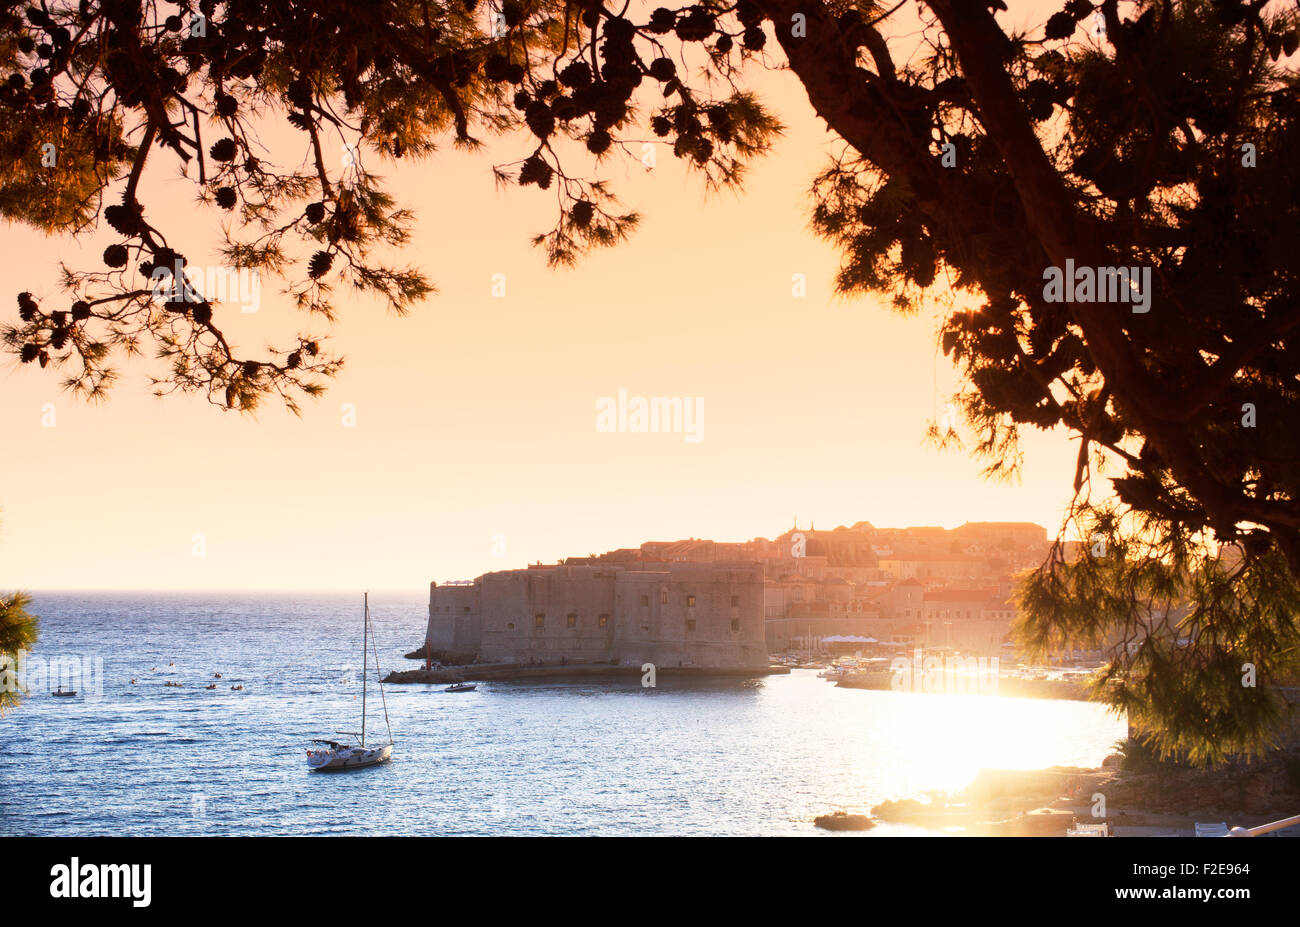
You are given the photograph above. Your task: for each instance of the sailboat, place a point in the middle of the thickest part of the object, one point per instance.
(333, 755)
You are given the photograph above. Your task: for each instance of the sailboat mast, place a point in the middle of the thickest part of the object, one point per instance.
(365, 634)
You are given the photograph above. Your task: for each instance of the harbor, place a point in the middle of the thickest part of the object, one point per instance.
(698, 754)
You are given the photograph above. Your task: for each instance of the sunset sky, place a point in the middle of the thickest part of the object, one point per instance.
(476, 416)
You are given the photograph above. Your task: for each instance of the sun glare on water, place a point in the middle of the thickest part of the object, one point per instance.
(942, 741)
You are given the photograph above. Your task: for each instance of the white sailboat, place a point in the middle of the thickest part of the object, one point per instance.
(332, 755)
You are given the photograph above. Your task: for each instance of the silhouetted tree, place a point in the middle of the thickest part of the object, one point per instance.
(1158, 136)
(18, 631)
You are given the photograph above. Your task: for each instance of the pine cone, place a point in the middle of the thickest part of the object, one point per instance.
(226, 105)
(582, 213)
(662, 21)
(663, 69)
(576, 75)
(123, 219)
(223, 150)
(320, 264)
(115, 255)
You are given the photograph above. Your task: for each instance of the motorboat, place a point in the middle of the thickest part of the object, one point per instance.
(461, 687)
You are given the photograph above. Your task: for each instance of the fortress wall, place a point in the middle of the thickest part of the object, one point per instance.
(453, 618)
(686, 614)
(526, 615)
(702, 615)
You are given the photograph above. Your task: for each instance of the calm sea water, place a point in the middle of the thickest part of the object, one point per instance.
(735, 757)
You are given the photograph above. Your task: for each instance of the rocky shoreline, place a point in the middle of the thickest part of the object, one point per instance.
(1045, 802)
(1011, 686)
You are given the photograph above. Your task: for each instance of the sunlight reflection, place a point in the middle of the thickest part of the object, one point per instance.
(942, 741)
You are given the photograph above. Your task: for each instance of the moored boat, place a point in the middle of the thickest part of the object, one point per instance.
(334, 755)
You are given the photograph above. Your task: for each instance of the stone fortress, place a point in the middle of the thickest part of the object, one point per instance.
(700, 615)
(712, 605)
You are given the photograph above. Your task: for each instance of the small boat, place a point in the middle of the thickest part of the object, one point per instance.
(65, 693)
(211, 685)
(334, 756)
(461, 687)
(173, 685)
(236, 688)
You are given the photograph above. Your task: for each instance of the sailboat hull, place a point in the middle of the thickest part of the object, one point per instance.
(349, 758)
(337, 757)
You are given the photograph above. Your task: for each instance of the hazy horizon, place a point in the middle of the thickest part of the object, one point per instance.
(499, 564)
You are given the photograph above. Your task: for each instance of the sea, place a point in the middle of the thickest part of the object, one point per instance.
(130, 755)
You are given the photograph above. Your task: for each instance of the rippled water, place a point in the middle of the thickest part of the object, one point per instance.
(734, 757)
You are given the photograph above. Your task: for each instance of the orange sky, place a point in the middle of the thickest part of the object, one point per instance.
(475, 416)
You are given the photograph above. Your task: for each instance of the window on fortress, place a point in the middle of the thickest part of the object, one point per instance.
(735, 624)
(510, 626)
(663, 597)
(690, 601)
(467, 609)
(735, 601)
(645, 600)
(690, 624)
(539, 621)
(572, 620)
